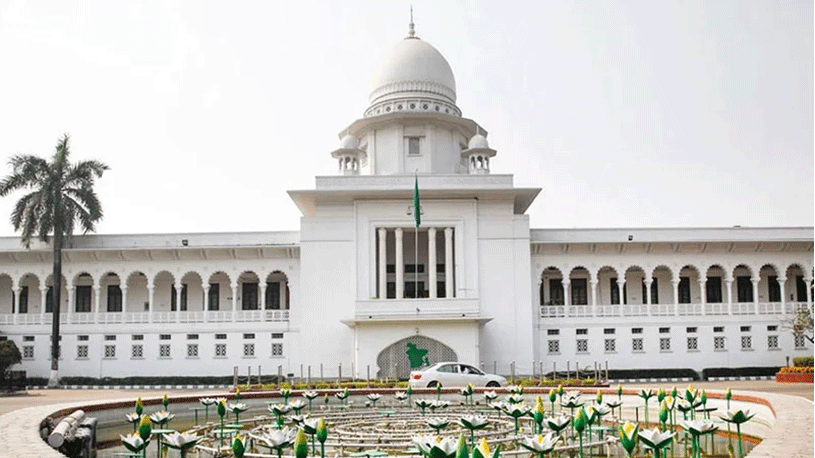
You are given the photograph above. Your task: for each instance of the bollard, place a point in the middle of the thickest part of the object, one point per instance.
(494, 367)
(368, 377)
(577, 370)
(301, 373)
(279, 376)
(321, 372)
(541, 369)
(554, 370)
(235, 377)
(512, 370)
(606, 379)
(568, 369)
(260, 382)
(248, 376)
(533, 368)
(353, 372)
(339, 374)
(309, 375)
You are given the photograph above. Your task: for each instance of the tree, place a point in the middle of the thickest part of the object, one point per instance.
(9, 356)
(60, 195)
(801, 322)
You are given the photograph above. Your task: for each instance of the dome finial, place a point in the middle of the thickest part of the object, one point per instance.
(411, 29)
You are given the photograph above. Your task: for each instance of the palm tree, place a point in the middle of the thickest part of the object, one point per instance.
(60, 194)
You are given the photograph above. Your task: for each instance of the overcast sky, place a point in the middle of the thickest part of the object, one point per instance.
(626, 113)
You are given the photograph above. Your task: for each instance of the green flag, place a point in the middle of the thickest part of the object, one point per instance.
(417, 212)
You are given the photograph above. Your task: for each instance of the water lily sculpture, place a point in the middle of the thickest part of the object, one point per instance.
(237, 408)
(297, 405)
(612, 404)
(656, 440)
(599, 398)
(540, 444)
(373, 397)
(436, 447)
(697, 429)
(400, 396)
(685, 407)
(144, 431)
(285, 393)
(311, 396)
(309, 426)
(646, 394)
(277, 439)
(423, 404)
(279, 410)
(134, 443)
(483, 450)
(515, 398)
(467, 392)
(207, 402)
(737, 418)
(558, 424)
(221, 413)
(473, 423)
(516, 411)
(515, 389)
(439, 404)
(165, 401)
(571, 401)
(628, 436)
(298, 419)
(437, 423)
(489, 396)
(161, 418)
(133, 418)
(182, 442)
(342, 395)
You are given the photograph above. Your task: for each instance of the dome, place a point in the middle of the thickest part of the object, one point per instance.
(478, 141)
(414, 69)
(349, 142)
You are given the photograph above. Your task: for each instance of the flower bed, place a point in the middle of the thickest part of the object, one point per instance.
(791, 374)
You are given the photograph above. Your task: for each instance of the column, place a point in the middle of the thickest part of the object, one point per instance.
(594, 284)
(98, 299)
(261, 295)
(15, 304)
(124, 299)
(205, 306)
(178, 287)
(566, 296)
(809, 292)
(703, 294)
(781, 281)
(448, 262)
(43, 298)
(383, 264)
(431, 259)
(755, 295)
(647, 299)
(729, 284)
(283, 295)
(621, 289)
(150, 307)
(235, 298)
(400, 265)
(71, 303)
(675, 283)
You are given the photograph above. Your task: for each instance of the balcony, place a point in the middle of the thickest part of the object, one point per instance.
(616, 310)
(240, 316)
(454, 309)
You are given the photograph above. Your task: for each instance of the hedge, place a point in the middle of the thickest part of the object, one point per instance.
(739, 372)
(803, 361)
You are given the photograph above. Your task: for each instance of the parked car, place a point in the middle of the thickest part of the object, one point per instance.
(452, 374)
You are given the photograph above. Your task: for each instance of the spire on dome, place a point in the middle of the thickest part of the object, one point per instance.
(411, 29)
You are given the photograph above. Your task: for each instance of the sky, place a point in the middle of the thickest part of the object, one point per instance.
(626, 113)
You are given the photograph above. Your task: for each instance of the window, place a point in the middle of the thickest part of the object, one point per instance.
(220, 336)
(165, 336)
(554, 346)
(582, 345)
(83, 298)
(82, 338)
(555, 291)
(49, 300)
(636, 345)
(249, 296)
(249, 336)
(412, 268)
(693, 344)
(614, 289)
(214, 296)
(277, 335)
(718, 328)
(220, 350)
(164, 351)
(137, 337)
(580, 292)
(746, 343)
(23, 306)
(413, 146)
(248, 350)
(277, 350)
(28, 352)
(611, 345)
(137, 351)
(636, 330)
(772, 328)
(81, 352)
(192, 336)
(772, 342)
(718, 343)
(773, 289)
(744, 289)
(800, 288)
(609, 331)
(582, 331)
(664, 330)
(800, 343)
(174, 298)
(553, 332)
(110, 337)
(691, 330)
(114, 298)
(273, 296)
(410, 288)
(744, 329)
(192, 350)
(713, 290)
(654, 290)
(665, 344)
(110, 351)
(28, 338)
(684, 290)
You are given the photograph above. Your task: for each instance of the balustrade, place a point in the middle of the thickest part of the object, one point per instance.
(636, 310)
(241, 316)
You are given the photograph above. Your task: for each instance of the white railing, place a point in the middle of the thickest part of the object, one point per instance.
(553, 311)
(607, 310)
(417, 308)
(191, 317)
(219, 316)
(716, 309)
(770, 308)
(744, 308)
(635, 310)
(82, 318)
(241, 316)
(662, 309)
(689, 309)
(277, 315)
(110, 318)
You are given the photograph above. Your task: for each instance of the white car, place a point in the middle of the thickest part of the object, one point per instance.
(451, 375)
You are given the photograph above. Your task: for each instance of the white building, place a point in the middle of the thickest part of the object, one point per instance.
(342, 290)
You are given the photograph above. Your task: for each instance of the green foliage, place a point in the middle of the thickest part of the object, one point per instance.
(803, 361)
(9, 356)
(588, 381)
(739, 371)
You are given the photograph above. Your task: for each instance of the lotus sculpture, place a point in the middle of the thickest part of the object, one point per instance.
(437, 423)
(697, 429)
(373, 397)
(400, 396)
(515, 398)
(236, 408)
(206, 403)
(309, 426)
(285, 393)
(134, 443)
(540, 444)
(738, 417)
(342, 396)
(311, 396)
(279, 410)
(423, 404)
(516, 411)
(473, 423)
(489, 396)
(133, 418)
(297, 405)
(436, 447)
(182, 442)
(646, 394)
(161, 418)
(277, 439)
(559, 423)
(656, 440)
(628, 436)
(483, 450)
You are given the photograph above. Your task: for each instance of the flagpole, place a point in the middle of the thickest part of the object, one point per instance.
(417, 219)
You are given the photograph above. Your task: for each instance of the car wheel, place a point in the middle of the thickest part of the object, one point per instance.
(493, 384)
(432, 384)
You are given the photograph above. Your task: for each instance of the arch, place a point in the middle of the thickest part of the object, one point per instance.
(163, 275)
(745, 267)
(551, 270)
(662, 268)
(28, 276)
(6, 293)
(581, 269)
(411, 353)
(276, 292)
(83, 276)
(136, 274)
(220, 274)
(608, 269)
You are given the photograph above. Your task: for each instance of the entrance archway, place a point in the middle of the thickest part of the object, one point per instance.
(414, 352)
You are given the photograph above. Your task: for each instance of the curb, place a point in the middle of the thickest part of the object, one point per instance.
(133, 387)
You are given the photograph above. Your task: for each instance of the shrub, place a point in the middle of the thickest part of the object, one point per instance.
(9, 356)
(739, 371)
(803, 361)
(797, 370)
(588, 381)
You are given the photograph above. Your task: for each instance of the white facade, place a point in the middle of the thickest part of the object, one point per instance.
(342, 290)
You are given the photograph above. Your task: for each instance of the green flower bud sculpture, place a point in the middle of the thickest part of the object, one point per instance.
(538, 414)
(322, 435)
(461, 448)
(325, 399)
(727, 395)
(552, 398)
(409, 392)
(144, 431)
(628, 436)
(663, 414)
(165, 401)
(483, 450)
(300, 445)
(238, 449)
(438, 391)
(599, 397)
(579, 423)
(221, 413)
(619, 392)
(139, 407)
(703, 401)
